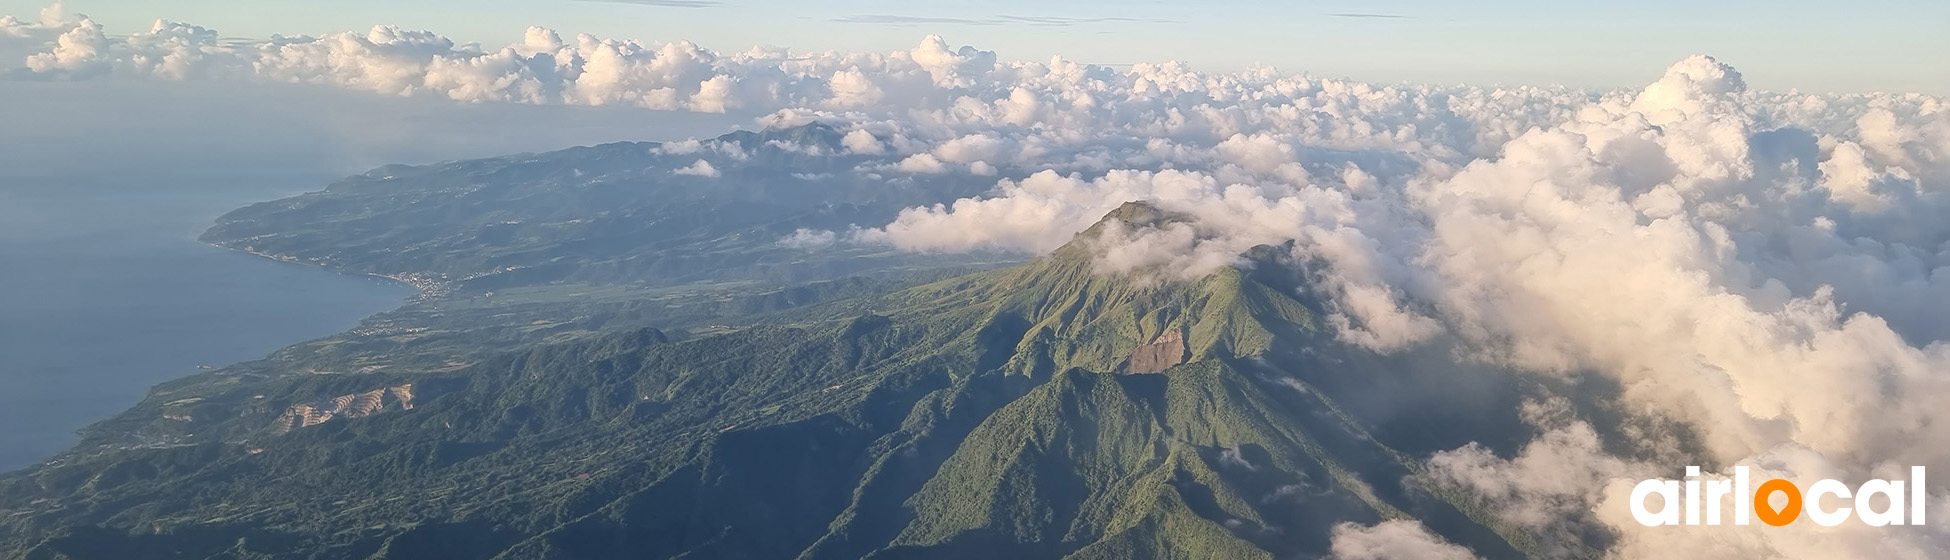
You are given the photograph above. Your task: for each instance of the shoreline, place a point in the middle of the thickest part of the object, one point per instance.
(424, 288)
(222, 353)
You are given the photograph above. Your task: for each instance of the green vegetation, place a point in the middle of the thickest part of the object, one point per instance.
(891, 407)
(609, 213)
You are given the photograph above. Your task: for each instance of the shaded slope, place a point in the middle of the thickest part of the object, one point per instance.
(973, 417)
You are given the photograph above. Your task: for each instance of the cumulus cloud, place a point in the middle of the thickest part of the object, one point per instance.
(542, 68)
(1393, 540)
(862, 142)
(52, 19)
(921, 163)
(1099, 116)
(700, 169)
(1551, 486)
(1770, 270)
(1764, 268)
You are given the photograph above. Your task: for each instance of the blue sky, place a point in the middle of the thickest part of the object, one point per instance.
(1861, 46)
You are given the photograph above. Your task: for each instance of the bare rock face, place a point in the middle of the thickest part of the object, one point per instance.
(354, 405)
(1168, 350)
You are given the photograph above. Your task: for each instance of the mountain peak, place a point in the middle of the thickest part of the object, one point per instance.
(1064, 311)
(812, 134)
(1143, 213)
(1133, 215)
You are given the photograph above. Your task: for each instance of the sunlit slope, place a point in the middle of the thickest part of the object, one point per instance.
(975, 417)
(1026, 445)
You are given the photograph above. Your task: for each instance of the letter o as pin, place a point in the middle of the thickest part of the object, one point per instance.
(1783, 516)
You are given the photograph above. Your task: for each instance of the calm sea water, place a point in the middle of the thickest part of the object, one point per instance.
(104, 186)
(104, 291)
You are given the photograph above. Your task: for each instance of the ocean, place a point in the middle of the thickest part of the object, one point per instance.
(104, 186)
(104, 291)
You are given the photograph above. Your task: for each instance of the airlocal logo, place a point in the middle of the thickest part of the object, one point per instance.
(1756, 503)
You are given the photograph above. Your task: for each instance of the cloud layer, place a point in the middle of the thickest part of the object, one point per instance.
(1770, 270)
(1767, 269)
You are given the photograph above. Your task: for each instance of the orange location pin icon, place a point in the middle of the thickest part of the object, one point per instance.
(1783, 516)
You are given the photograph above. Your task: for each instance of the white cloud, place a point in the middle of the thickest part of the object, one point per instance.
(1232, 457)
(700, 169)
(52, 20)
(810, 239)
(1770, 269)
(1550, 487)
(922, 163)
(1731, 260)
(852, 88)
(862, 142)
(77, 51)
(971, 148)
(1393, 540)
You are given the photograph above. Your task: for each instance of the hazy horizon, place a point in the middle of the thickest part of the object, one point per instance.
(1804, 46)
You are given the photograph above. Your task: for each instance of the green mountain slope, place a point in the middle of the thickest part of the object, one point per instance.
(618, 212)
(1039, 411)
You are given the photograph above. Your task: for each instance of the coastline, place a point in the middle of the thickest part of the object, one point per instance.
(106, 335)
(425, 287)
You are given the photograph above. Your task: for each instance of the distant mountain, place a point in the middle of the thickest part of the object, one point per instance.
(1044, 410)
(629, 211)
